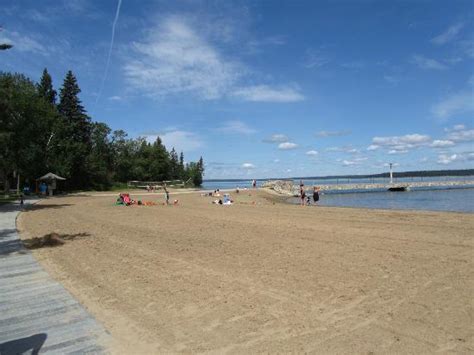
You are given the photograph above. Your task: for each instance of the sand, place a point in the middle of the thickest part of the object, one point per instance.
(263, 277)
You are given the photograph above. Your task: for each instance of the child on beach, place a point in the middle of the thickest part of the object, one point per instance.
(316, 194)
(302, 193)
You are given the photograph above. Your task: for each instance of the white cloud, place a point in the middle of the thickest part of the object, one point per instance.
(276, 138)
(428, 63)
(357, 64)
(461, 135)
(287, 146)
(393, 151)
(312, 153)
(248, 166)
(174, 59)
(276, 160)
(265, 93)
(179, 140)
(447, 159)
(458, 157)
(314, 59)
(115, 98)
(346, 149)
(448, 35)
(236, 127)
(348, 163)
(439, 143)
(22, 43)
(459, 127)
(391, 79)
(455, 104)
(400, 143)
(373, 147)
(340, 133)
(468, 47)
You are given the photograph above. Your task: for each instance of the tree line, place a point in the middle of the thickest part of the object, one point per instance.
(41, 131)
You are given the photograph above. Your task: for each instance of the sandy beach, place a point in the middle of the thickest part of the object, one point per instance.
(263, 276)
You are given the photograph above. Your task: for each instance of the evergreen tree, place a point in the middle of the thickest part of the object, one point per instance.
(199, 172)
(73, 112)
(174, 165)
(100, 161)
(181, 167)
(75, 134)
(37, 137)
(159, 161)
(45, 88)
(25, 120)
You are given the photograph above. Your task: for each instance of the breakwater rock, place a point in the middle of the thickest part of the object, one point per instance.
(287, 187)
(283, 187)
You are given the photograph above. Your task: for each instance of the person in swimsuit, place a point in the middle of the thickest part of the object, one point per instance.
(302, 193)
(316, 194)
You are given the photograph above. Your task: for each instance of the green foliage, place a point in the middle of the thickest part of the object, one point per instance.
(26, 122)
(45, 88)
(38, 136)
(75, 135)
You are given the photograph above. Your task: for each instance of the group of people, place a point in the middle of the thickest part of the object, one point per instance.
(151, 188)
(307, 199)
(125, 199)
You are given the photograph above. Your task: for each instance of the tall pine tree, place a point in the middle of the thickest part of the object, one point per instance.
(174, 165)
(76, 134)
(45, 88)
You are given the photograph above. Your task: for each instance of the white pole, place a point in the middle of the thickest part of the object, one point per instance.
(391, 173)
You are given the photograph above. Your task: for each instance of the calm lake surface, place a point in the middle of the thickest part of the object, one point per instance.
(454, 199)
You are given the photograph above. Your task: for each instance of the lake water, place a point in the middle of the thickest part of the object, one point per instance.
(434, 199)
(232, 184)
(454, 199)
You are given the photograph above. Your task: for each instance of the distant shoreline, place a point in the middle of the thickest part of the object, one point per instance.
(404, 174)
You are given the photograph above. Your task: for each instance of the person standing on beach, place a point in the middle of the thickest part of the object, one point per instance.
(316, 194)
(302, 193)
(254, 183)
(167, 194)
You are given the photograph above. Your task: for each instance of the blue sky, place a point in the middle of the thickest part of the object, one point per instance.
(266, 88)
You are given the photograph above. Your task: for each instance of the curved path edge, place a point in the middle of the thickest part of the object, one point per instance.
(36, 312)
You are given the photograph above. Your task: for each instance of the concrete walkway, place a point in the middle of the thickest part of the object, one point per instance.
(36, 312)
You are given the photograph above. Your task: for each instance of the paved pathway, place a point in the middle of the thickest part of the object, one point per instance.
(36, 312)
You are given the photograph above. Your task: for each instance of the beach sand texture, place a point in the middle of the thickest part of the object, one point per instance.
(264, 277)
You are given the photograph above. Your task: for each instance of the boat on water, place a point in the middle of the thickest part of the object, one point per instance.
(399, 188)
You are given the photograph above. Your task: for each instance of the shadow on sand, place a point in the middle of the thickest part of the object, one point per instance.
(51, 240)
(9, 242)
(31, 344)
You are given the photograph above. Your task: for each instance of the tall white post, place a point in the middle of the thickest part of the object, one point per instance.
(391, 173)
